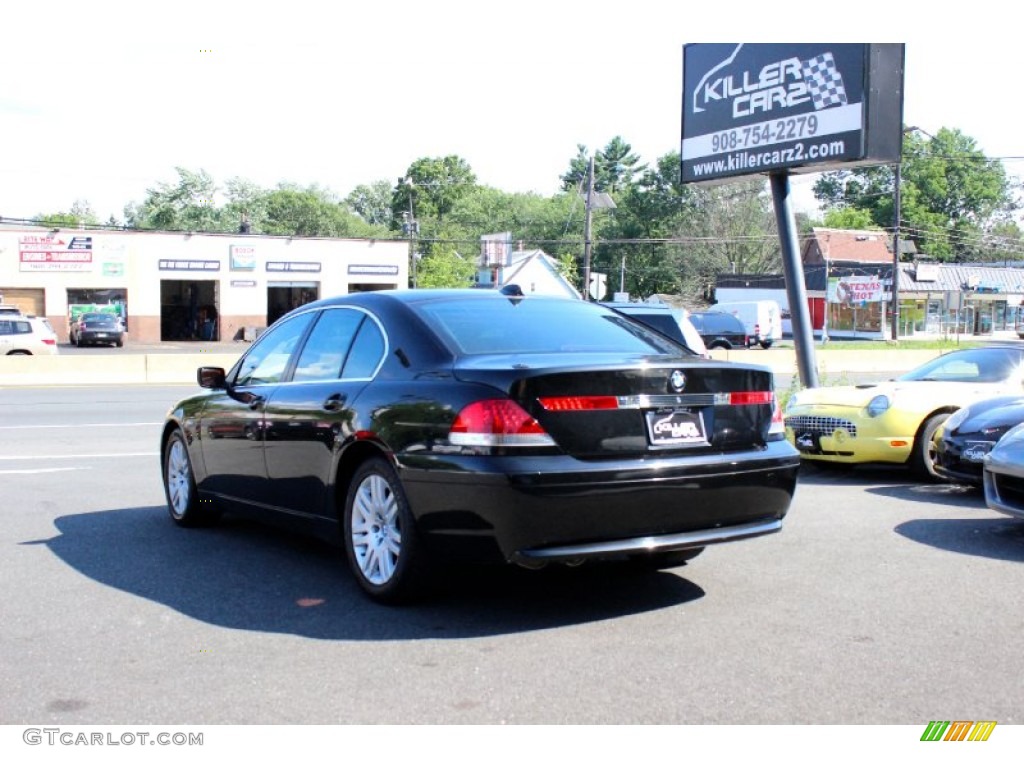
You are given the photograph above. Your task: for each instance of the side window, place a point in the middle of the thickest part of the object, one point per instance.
(327, 345)
(366, 353)
(6, 327)
(21, 326)
(267, 360)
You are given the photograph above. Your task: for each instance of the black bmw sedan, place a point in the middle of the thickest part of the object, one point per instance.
(426, 425)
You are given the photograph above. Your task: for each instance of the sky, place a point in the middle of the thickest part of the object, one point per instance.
(101, 101)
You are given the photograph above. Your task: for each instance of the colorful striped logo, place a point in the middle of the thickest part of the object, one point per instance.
(958, 730)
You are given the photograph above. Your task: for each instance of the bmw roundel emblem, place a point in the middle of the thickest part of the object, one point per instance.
(677, 380)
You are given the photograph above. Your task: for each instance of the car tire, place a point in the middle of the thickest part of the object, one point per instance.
(719, 345)
(660, 561)
(765, 344)
(186, 507)
(119, 343)
(923, 457)
(381, 544)
(78, 342)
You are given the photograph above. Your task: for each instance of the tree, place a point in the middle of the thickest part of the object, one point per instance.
(549, 223)
(569, 269)
(614, 166)
(188, 205)
(442, 266)
(732, 230)
(650, 211)
(849, 217)
(372, 202)
(312, 212)
(80, 214)
(247, 201)
(951, 194)
(435, 185)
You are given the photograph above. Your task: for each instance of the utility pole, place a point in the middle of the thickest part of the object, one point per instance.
(594, 200)
(894, 313)
(412, 228)
(587, 245)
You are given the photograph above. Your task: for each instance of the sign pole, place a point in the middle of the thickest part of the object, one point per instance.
(796, 291)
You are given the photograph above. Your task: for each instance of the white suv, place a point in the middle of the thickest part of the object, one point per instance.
(21, 335)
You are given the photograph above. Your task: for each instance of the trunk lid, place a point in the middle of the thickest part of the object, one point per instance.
(606, 407)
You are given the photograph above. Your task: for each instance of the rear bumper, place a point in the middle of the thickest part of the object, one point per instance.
(94, 337)
(665, 543)
(559, 508)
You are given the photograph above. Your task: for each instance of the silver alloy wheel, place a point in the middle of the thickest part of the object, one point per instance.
(376, 530)
(179, 478)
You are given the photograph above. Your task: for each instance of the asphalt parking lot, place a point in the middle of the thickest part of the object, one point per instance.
(881, 601)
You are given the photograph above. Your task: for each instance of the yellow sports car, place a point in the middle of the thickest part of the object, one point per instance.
(895, 421)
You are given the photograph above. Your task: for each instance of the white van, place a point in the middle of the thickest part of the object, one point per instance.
(762, 319)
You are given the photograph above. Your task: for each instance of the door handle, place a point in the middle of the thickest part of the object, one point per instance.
(334, 403)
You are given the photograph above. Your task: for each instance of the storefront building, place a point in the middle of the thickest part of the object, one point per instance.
(182, 286)
(965, 299)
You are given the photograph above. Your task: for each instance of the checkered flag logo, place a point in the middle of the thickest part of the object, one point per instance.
(824, 82)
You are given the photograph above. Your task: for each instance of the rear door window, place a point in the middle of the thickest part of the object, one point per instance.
(328, 345)
(267, 361)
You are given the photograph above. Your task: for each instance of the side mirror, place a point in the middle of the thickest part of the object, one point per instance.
(211, 378)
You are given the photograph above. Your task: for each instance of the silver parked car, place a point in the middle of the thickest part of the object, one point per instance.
(1003, 476)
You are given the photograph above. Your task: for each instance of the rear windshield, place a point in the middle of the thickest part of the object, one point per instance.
(531, 325)
(100, 319)
(717, 322)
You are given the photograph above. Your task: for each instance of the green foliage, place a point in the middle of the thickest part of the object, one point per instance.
(536, 221)
(246, 202)
(952, 196)
(443, 266)
(310, 212)
(569, 269)
(615, 166)
(191, 204)
(372, 203)
(188, 205)
(80, 214)
(849, 218)
(650, 212)
(435, 185)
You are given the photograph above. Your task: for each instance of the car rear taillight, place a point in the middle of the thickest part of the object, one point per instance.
(497, 423)
(50, 341)
(751, 398)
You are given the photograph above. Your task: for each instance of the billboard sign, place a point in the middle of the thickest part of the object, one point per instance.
(496, 249)
(852, 290)
(51, 253)
(242, 257)
(752, 108)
